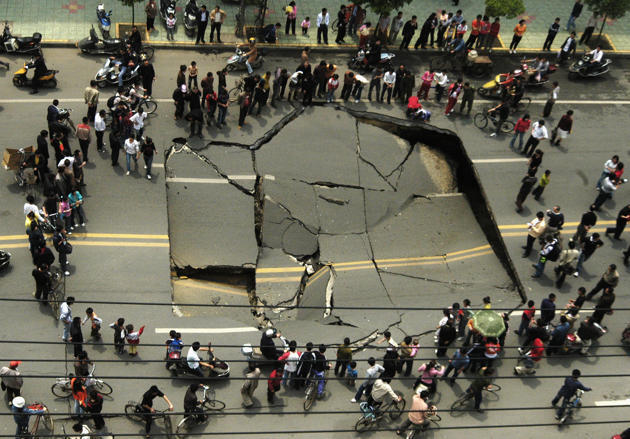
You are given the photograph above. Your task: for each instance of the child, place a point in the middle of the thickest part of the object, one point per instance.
(76, 203)
(273, 383)
(352, 373)
(133, 339)
(333, 84)
(170, 26)
(95, 322)
(192, 73)
(66, 214)
(306, 23)
(542, 184)
(119, 335)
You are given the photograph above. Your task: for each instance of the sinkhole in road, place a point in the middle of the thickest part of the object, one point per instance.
(309, 217)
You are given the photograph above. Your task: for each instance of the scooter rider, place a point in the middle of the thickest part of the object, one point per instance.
(596, 58)
(374, 53)
(40, 70)
(268, 347)
(193, 360)
(124, 60)
(250, 56)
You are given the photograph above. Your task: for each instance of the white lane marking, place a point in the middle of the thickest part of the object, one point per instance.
(447, 195)
(616, 403)
(506, 160)
(207, 330)
(157, 165)
(215, 180)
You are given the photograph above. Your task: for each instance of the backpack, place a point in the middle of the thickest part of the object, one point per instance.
(554, 254)
(110, 101)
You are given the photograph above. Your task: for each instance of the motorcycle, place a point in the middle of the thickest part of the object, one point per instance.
(21, 80)
(28, 45)
(107, 75)
(494, 89)
(573, 344)
(5, 257)
(104, 20)
(234, 62)
(93, 45)
(361, 60)
(583, 68)
(190, 17)
(167, 7)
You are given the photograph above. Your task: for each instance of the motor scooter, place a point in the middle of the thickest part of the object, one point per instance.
(5, 258)
(583, 68)
(21, 80)
(361, 60)
(167, 7)
(190, 17)
(12, 44)
(108, 75)
(104, 20)
(234, 62)
(93, 45)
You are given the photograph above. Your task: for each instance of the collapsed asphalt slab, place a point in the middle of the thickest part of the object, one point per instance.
(337, 213)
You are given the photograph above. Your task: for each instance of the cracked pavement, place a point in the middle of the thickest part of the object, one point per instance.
(326, 210)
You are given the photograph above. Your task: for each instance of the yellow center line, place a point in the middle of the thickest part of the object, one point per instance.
(184, 283)
(570, 224)
(95, 235)
(100, 244)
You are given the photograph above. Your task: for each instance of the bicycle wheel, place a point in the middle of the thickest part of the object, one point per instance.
(150, 106)
(481, 120)
(148, 51)
(362, 424)
(213, 404)
(441, 63)
(61, 390)
(102, 387)
(507, 126)
(494, 389)
(168, 426)
(49, 424)
(181, 431)
(460, 404)
(234, 92)
(53, 299)
(132, 412)
(396, 408)
(310, 397)
(334, 25)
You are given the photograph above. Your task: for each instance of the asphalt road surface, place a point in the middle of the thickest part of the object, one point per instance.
(124, 253)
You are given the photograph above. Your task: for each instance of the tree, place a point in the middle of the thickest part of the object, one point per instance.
(383, 6)
(133, 9)
(612, 9)
(504, 8)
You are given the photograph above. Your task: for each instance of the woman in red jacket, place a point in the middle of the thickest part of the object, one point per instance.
(521, 127)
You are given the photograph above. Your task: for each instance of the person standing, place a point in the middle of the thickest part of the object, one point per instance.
(566, 263)
(606, 190)
(575, 13)
(604, 305)
(12, 380)
(344, 357)
(223, 101)
(151, 11)
(427, 79)
(527, 183)
(114, 143)
(493, 35)
(244, 101)
(526, 318)
(588, 247)
(360, 82)
(389, 79)
(468, 96)
(590, 27)
(408, 30)
(453, 93)
(553, 97)
(95, 323)
(382, 27)
(610, 166)
(547, 310)
(441, 81)
(148, 152)
(90, 95)
(202, 24)
(84, 136)
(291, 12)
(564, 128)
(132, 149)
(250, 384)
(62, 246)
(521, 127)
(542, 184)
(323, 19)
(341, 25)
(94, 406)
(76, 336)
(610, 279)
(622, 219)
(428, 28)
(170, 27)
(148, 76)
(474, 33)
(99, 130)
(42, 283)
(551, 34)
(519, 31)
(567, 48)
(535, 228)
(119, 335)
(138, 122)
(447, 335)
(549, 252)
(375, 83)
(65, 315)
(484, 32)
(458, 363)
(397, 24)
(538, 133)
(217, 17)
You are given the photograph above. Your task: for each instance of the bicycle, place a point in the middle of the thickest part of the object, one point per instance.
(460, 404)
(371, 416)
(574, 403)
(63, 389)
(148, 104)
(135, 412)
(45, 417)
(192, 420)
(433, 419)
(311, 390)
(236, 90)
(481, 121)
(57, 289)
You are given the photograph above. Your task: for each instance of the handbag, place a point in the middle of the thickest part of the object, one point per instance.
(67, 248)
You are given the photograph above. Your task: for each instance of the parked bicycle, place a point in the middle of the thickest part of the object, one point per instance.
(63, 389)
(44, 418)
(481, 121)
(236, 90)
(460, 404)
(311, 390)
(192, 420)
(389, 411)
(135, 412)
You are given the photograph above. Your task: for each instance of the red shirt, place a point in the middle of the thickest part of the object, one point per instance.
(494, 29)
(476, 25)
(521, 127)
(537, 350)
(484, 28)
(275, 379)
(528, 314)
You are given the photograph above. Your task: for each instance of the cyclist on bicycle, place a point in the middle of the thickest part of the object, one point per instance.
(192, 405)
(568, 389)
(320, 366)
(147, 406)
(503, 112)
(480, 383)
(417, 413)
(380, 390)
(21, 415)
(517, 90)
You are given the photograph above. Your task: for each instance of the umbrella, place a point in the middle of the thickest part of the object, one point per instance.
(489, 323)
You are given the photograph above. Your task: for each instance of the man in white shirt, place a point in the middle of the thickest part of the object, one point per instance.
(389, 79)
(360, 82)
(608, 187)
(99, 129)
(65, 315)
(371, 374)
(441, 81)
(132, 150)
(193, 360)
(539, 132)
(609, 168)
(138, 122)
(596, 58)
(323, 19)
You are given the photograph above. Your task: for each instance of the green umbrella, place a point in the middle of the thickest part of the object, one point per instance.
(489, 323)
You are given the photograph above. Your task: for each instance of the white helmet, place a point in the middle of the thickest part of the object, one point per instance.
(18, 402)
(270, 332)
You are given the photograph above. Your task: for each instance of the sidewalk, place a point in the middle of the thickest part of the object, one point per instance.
(70, 20)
